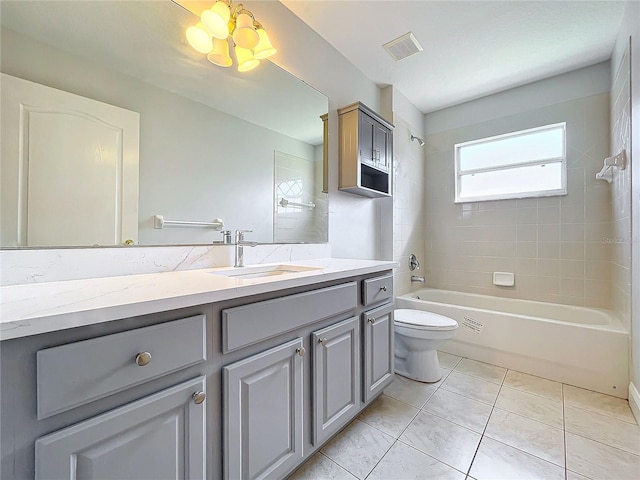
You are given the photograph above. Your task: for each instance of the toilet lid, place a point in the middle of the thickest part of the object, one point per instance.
(423, 320)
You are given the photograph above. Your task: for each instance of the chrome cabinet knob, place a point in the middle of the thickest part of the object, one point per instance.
(323, 342)
(143, 358)
(199, 397)
(384, 289)
(301, 351)
(372, 321)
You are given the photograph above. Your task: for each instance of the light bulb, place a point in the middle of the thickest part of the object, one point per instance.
(216, 20)
(246, 60)
(264, 48)
(220, 53)
(245, 35)
(199, 38)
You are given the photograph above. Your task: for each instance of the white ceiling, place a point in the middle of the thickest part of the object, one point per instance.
(471, 48)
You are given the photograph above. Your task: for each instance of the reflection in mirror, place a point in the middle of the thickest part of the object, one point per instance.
(209, 137)
(300, 212)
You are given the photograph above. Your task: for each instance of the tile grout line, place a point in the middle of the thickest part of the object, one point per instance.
(517, 448)
(604, 444)
(502, 385)
(397, 440)
(378, 462)
(584, 435)
(533, 393)
(482, 435)
(332, 461)
(603, 414)
(475, 377)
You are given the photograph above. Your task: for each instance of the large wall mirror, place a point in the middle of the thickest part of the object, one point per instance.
(246, 148)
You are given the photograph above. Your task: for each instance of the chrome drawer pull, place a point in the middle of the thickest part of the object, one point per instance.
(384, 289)
(143, 358)
(323, 342)
(199, 397)
(301, 351)
(372, 321)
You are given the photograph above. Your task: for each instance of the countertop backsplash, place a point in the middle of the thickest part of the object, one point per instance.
(50, 265)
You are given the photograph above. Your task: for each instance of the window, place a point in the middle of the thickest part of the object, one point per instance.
(528, 163)
(289, 189)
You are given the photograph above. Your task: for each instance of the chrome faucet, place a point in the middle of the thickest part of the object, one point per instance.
(415, 278)
(240, 244)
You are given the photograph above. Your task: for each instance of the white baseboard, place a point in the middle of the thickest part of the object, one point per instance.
(634, 401)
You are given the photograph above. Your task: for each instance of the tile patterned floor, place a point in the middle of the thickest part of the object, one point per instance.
(483, 422)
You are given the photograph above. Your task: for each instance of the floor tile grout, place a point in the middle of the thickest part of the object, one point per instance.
(602, 443)
(493, 407)
(429, 455)
(598, 412)
(528, 418)
(334, 462)
(502, 385)
(532, 393)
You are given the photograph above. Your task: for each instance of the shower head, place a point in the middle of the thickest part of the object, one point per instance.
(420, 141)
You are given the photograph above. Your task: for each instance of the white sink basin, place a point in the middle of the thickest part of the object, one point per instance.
(260, 271)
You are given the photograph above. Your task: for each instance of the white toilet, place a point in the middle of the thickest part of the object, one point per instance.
(417, 335)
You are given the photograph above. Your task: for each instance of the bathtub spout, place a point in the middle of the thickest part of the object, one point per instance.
(415, 278)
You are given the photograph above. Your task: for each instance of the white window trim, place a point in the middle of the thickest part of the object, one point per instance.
(507, 196)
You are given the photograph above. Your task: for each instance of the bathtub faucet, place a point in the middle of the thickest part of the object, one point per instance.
(415, 278)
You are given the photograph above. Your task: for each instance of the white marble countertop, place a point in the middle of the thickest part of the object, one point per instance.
(46, 307)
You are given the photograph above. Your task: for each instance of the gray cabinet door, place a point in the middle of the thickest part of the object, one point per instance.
(161, 436)
(382, 146)
(336, 377)
(366, 129)
(262, 411)
(378, 350)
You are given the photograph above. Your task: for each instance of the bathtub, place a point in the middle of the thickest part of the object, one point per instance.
(580, 346)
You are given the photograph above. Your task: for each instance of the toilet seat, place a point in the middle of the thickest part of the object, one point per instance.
(421, 320)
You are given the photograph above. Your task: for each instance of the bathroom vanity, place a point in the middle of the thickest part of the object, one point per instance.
(195, 374)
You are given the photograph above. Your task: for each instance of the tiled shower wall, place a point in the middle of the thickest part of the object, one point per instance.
(556, 246)
(408, 202)
(620, 243)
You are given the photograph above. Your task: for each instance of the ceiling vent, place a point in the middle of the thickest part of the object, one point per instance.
(403, 47)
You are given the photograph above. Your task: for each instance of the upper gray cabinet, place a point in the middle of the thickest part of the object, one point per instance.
(365, 151)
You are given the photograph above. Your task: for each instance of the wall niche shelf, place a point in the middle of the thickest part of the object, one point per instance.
(365, 152)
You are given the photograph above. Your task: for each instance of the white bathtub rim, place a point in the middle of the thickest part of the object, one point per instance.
(615, 325)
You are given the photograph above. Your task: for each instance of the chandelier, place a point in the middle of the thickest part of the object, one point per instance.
(210, 36)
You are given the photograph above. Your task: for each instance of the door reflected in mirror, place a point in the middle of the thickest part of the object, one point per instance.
(208, 135)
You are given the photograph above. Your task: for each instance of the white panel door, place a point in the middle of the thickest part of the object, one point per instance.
(69, 168)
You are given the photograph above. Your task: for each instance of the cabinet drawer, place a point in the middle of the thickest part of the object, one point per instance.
(249, 324)
(74, 374)
(377, 289)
